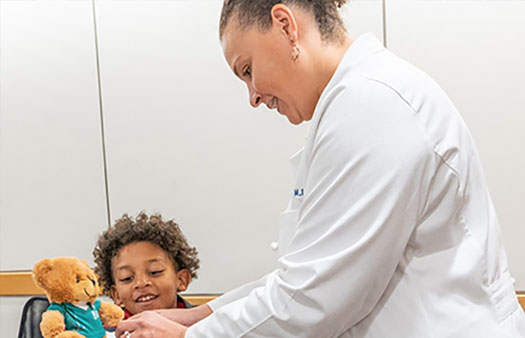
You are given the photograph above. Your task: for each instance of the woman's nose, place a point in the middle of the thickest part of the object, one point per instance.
(255, 97)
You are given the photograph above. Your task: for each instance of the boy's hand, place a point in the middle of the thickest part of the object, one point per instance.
(149, 324)
(186, 317)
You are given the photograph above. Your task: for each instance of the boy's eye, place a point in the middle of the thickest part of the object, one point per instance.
(247, 71)
(126, 279)
(156, 272)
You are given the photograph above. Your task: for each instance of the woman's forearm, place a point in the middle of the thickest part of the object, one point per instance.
(187, 317)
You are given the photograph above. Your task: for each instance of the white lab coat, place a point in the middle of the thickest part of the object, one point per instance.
(390, 231)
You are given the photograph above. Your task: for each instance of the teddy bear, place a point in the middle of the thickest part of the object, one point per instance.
(72, 289)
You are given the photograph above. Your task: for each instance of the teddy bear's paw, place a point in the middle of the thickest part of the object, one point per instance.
(70, 334)
(110, 314)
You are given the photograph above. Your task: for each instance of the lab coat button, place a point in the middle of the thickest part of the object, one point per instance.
(274, 246)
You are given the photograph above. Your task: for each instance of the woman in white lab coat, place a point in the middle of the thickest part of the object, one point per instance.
(390, 231)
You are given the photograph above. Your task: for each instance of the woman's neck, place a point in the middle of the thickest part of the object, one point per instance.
(329, 57)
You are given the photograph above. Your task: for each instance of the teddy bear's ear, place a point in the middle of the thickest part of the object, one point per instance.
(84, 263)
(41, 271)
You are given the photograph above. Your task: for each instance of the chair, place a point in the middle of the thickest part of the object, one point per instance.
(31, 317)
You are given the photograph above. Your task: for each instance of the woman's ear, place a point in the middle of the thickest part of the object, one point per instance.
(184, 278)
(284, 19)
(115, 296)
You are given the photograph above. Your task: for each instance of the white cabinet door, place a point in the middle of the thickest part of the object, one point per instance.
(475, 50)
(182, 139)
(52, 197)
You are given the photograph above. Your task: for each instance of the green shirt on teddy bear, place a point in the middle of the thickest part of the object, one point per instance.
(84, 320)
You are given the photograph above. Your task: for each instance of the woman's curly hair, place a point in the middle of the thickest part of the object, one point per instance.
(143, 228)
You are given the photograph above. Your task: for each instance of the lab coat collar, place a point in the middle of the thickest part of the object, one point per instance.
(296, 159)
(364, 46)
(361, 48)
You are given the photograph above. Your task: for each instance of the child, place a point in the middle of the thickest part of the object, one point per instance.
(143, 263)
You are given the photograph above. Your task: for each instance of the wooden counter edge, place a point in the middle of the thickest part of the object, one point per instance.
(20, 283)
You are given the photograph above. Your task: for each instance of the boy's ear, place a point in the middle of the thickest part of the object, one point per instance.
(115, 296)
(184, 277)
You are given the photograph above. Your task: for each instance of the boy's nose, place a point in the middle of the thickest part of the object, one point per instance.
(142, 281)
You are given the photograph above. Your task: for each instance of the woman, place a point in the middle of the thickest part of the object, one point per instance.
(391, 231)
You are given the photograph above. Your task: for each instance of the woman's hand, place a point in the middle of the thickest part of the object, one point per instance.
(149, 324)
(186, 317)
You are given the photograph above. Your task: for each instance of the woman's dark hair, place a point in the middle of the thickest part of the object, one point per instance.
(257, 13)
(143, 228)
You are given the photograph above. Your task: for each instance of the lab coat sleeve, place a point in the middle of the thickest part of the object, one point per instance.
(233, 295)
(363, 194)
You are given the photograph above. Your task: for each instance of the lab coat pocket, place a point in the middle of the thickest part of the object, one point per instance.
(287, 226)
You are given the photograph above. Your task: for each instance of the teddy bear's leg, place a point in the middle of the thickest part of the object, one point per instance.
(70, 334)
(52, 324)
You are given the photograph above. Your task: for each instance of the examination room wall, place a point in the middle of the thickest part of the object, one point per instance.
(166, 127)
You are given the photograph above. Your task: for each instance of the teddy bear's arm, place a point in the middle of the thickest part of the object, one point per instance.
(110, 314)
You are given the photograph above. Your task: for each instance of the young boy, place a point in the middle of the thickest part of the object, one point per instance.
(143, 263)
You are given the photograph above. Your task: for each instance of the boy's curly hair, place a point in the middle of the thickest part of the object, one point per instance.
(143, 228)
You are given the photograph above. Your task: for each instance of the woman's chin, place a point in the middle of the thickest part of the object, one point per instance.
(294, 119)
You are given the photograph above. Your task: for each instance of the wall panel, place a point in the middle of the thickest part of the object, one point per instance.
(51, 174)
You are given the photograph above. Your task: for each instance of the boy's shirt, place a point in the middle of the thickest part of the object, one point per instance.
(83, 319)
(181, 304)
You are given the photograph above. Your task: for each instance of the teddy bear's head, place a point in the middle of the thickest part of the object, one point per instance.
(66, 280)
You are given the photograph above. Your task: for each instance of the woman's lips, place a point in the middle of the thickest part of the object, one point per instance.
(277, 106)
(273, 103)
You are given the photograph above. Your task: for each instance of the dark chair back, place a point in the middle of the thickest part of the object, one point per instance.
(31, 317)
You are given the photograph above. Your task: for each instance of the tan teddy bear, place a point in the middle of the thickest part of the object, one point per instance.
(72, 288)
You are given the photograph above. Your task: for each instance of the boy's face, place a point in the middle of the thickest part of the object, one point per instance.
(145, 278)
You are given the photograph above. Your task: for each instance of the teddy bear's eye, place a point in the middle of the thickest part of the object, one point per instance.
(78, 279)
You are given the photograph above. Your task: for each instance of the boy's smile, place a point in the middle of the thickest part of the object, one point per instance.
(145, 278)
(146, 299)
